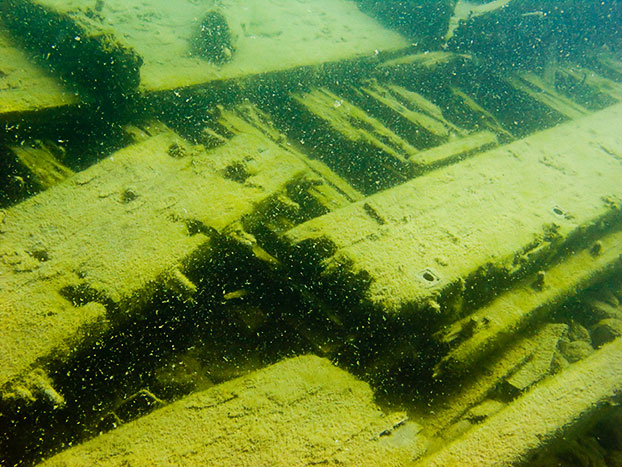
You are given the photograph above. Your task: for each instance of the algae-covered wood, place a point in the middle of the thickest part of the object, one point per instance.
(331, 193)
(266, 35)
(373, 224)
(45, 169)
(536, 87)
(301, 411)
(551, 410)
(24, 86)
(357, 126)
(351, 141)
(494, 325)
(484, 380)
(478, 223)
(105, 239)
(456, 149)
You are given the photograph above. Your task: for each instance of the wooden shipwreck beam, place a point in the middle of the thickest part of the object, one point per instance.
(442, 243)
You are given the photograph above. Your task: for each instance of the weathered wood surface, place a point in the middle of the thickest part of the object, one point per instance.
(369, 154)
(494, 325)
(267, 36)
(537, 88)
(484, 380)
(484, 222)
(376, 135)
(552, 409)
(26, 87)
(455, 150)
(40, 160)
(300, 411)
(107, 238)
(416, 118)
(493, 244)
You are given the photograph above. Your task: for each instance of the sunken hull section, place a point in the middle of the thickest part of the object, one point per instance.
(368, 254)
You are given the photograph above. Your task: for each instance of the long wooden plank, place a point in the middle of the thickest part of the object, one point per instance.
(552, 409)
(105, 239)
(351, 141)
(413, 108)
(482, 382)
(448, 239)
(267, 36)
(26, 87)
(490, 327)
(536, 87)
(456, 150)
(301, 411)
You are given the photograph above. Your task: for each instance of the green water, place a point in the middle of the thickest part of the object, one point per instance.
(287, 232)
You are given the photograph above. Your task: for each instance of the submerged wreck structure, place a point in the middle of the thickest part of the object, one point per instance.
(327, 232)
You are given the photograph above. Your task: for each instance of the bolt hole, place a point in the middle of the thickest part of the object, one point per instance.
(429, 276)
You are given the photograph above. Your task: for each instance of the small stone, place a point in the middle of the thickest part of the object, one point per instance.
(606, 331)
(539, 282)
(176, 151)
(559, 363)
